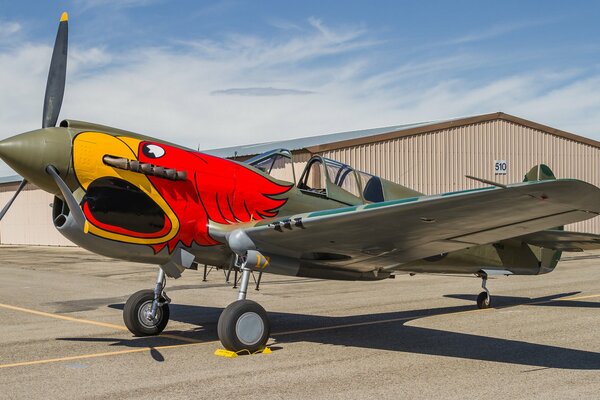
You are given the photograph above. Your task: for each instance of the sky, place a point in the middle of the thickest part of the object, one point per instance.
(210, 74)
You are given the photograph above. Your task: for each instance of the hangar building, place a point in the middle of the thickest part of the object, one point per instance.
(430, 157)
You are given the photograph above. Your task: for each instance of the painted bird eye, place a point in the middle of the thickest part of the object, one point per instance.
(153, 150)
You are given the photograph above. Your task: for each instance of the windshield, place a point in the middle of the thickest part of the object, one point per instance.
(277, 163)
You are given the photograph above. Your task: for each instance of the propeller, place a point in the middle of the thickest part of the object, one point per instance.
(55, 88)
(7, 206)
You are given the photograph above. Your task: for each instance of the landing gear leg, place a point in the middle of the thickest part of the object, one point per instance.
(484, 299)
(244, 324)
(258, 281)
(146, 312)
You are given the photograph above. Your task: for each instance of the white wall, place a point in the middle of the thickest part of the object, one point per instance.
(29, 220)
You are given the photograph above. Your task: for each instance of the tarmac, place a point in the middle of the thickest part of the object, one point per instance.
(417, 337)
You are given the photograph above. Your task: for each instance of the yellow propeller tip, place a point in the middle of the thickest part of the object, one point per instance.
(64, 17)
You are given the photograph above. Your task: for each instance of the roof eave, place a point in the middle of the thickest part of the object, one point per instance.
(452, 124)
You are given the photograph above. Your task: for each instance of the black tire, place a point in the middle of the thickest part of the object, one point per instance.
(483, 301)
(135, 320)
(244, 325)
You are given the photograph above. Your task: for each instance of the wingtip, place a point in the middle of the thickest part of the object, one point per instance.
(64, 17)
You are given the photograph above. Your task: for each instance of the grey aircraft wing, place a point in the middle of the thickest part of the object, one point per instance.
(360, 238)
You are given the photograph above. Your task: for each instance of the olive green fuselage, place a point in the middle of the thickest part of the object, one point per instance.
(30, 153)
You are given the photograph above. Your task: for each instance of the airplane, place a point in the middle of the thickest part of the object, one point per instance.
(132, 197)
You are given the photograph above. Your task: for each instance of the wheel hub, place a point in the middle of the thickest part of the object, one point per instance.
(249, 328)
(145, 315)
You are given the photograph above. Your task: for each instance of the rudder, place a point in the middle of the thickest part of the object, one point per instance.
(548, 258)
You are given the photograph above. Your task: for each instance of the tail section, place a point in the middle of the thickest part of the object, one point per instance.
(548, 258)
(540, 172)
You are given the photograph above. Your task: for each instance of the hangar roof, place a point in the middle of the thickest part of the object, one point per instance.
(10, 179)
(308, 142)
(314, 144)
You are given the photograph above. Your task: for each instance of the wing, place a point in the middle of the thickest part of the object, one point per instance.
(410, 229)
(563, 240)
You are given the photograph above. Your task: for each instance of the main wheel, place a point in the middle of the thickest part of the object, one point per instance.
(136, 312)
(483, 300)
(244, 325)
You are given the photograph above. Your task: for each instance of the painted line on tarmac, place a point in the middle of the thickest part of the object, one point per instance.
(366, 323)
(593, 296)
(193, 342)
(533, 303)
(180, 338)
(328, 328)
(385, 321)
(64, 317)
(91, 322)
(96, 355)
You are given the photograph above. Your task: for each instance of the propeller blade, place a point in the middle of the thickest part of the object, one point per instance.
(7, 206)
(55, 87)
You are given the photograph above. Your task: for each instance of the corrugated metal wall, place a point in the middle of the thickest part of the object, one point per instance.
(430, 163)
(438, 161)
(29, 220)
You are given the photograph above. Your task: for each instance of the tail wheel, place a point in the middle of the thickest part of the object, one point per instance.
(136, 314)
(244, 325)
(483, 300)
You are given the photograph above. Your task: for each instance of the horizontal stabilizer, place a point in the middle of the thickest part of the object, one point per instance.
(563, 240)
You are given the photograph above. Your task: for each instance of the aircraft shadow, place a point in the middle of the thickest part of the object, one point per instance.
(548, 301)
(389, 331)
(147, 342)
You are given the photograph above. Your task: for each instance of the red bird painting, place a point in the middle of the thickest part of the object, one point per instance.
(216, 189)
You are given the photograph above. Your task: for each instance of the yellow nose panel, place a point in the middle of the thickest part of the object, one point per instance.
(89, 148)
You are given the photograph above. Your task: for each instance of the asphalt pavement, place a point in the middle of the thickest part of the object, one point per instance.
(417, 337)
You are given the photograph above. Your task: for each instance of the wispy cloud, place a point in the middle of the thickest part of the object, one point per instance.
(260, 91)
(213, 9)
(8, 28)
(244, 89)
(284, 25)
(306, 45)
(495, 31)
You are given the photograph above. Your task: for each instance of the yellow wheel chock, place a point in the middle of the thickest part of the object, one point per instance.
(234, 354)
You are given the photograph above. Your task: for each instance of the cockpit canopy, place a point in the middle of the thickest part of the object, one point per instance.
(329, 179)
(324, 176)
(277, 163)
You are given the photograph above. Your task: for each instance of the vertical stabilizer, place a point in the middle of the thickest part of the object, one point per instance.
(540, 172)
(548, 258)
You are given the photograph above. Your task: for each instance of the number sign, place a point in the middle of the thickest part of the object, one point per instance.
(500, 167)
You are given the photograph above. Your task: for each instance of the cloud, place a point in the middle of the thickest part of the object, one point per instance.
(496, 31)
(260, 91)
(8, 28)
(282, 24)
(169, 91)
(306, 45)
